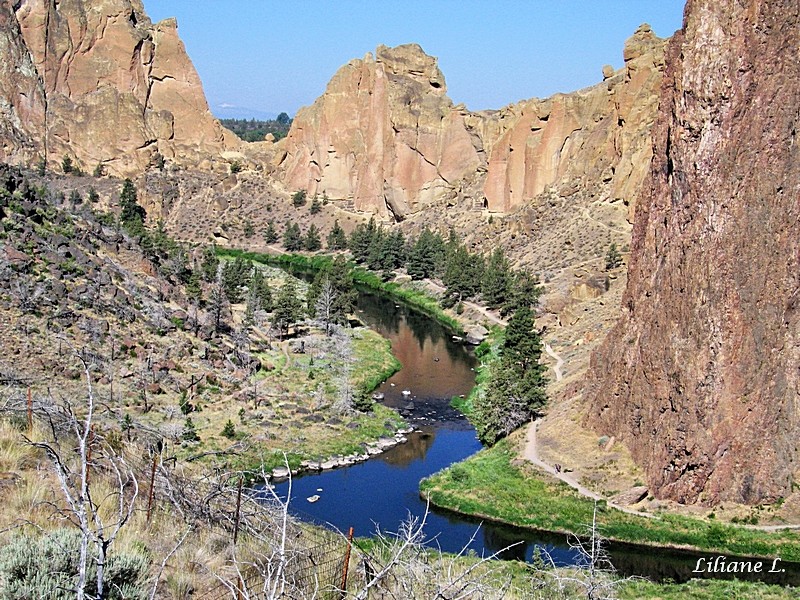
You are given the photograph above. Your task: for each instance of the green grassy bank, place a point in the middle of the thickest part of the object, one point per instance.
(299, 263)
(488, 485)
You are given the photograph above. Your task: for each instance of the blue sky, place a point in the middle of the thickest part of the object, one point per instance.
(263, 57)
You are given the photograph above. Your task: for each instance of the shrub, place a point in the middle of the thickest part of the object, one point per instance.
(229, 431)
(47, 567)
(299, 198)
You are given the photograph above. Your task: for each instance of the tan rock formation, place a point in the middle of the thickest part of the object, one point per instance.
(21, 93)
(597, 134)
(699, 378)
(383, 135)
(117, 89)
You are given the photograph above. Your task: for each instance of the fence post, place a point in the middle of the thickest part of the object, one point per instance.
(152, 486)
(30, 410)
(238, 506)
(346, 562)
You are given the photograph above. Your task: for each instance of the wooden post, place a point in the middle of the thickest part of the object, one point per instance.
(346, 562)
(152, 487)
(30, 410)
(238, 506)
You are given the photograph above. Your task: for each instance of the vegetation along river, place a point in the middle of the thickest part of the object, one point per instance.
(381, 492)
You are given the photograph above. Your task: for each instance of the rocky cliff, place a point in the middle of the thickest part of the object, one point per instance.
(385, 137)
(99, 82)
(571, 140)
(700, 376)
(21, 93)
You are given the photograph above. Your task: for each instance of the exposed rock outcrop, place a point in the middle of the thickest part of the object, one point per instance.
(21, 93)
(383, 135)
(113, 88)
(601, 133)
(385, 138)
(700, 376)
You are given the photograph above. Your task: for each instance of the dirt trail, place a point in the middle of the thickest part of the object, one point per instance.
(532, 455)
(559, 361)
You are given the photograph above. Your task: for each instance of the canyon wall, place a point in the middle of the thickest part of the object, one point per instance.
(700, 376)
(601, 133)
(106, 87)
(386, 138)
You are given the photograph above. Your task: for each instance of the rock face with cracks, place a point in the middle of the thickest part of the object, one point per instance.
(385, 138)
(700, 376)
(99, 82)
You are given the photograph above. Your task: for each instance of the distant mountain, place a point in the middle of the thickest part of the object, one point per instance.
(231, 111)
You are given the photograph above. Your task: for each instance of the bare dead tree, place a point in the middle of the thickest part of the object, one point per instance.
(403, 566)
(73, 474)
(326, 304)
(593, 577)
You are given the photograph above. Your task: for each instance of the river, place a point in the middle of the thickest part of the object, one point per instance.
(381, 492)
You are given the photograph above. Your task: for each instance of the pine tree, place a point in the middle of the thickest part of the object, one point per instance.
(315, 206)
(376, 249)
(312, 241)
(524, 291)
(361, 240)
(93, 197)
(516, 391)
(288, 308)
(189, 431)
(497, 279)
(229, 430)
(260, 288)
(217, 302)
(337, 240)
(425, 255)
(292, 238)
(194, 290)
(463, 274)
(270, 235)
(209, 263)
(235, 276)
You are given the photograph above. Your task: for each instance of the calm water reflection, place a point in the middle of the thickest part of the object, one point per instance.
(381, 492)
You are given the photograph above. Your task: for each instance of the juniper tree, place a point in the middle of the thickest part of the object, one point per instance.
(312, 241)
(337, 240)
(270, 235)
(613, 258)
(299, 198)
(132, 215)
